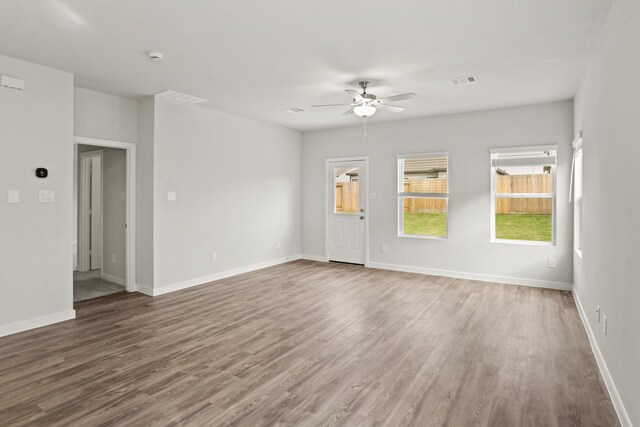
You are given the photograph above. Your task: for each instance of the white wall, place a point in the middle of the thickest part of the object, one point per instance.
(238, 192)
(103, 116)
(607, 110)
(36, 130)
(114, 213)
(467, 138)
(144, 195)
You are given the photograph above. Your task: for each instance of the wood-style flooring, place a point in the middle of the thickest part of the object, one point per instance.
(308, 343)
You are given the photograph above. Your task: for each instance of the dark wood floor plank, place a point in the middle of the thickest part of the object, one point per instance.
(307, 343)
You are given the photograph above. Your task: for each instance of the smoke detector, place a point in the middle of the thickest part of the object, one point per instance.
(180, 97)
(155, 56)
(463, 80)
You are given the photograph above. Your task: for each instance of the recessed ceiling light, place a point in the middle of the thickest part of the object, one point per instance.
(463, 80)
(294, 110)
(155, 56)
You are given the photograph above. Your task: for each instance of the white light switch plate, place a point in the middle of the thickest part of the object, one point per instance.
(13, 196)
(171, 196)
(46, 196)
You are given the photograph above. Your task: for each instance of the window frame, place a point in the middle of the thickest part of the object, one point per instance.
(402, 195)
(578, 193)
(552, 195)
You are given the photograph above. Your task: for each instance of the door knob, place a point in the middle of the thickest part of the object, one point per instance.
(361, 217)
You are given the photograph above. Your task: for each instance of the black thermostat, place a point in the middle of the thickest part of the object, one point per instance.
(42, 172)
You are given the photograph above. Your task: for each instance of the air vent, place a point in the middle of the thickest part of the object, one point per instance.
(180, 97)
(294, 110)
(11, 83)
(463, 80)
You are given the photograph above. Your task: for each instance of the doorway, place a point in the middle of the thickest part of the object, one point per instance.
(104, 214)
(347, 210)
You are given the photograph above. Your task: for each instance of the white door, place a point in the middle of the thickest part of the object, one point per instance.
(95, 213)
(347, 182)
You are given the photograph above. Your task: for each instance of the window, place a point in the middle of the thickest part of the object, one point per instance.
(576, 191)
(523, 194)
(423, 195)
(347, 190)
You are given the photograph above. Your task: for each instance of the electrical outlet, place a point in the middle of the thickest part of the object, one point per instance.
(278, 244)
(598, 312)
(113, 258)
(214, 257)
(552, 263)
(604, 324)
(383, 248)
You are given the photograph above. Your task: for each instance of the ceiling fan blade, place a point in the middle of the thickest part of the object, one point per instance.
(402, 97)
(349, 111)
(354, 93)
(390, 108)
(330, 105)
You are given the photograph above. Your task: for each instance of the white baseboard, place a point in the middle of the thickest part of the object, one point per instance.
(474, 276)
(315, 258)
(38, 322)
(143, 289)
(113, 279)
(213, 277)
(623, 416)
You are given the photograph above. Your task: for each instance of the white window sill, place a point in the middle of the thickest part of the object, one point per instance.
(523, 242)
(417, 236)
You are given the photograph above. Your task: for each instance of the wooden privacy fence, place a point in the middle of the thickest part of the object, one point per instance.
(347, 195)
(425, 185)
(535, 183)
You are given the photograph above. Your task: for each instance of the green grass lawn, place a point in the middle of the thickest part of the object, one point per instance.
(524, 227)
(425, 224)
(512, 227)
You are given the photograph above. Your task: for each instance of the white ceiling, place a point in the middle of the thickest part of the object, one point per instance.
(258, 57)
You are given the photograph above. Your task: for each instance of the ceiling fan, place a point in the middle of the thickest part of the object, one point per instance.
(366, 104)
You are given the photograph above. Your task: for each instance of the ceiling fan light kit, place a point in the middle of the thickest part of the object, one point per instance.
(364, 110)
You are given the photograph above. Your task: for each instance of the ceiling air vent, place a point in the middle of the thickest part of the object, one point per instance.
(463, 80)
(294, 110)
(181, 97)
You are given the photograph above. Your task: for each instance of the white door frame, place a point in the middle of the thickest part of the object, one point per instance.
(328, 203)
(130, 149)
(84, 201)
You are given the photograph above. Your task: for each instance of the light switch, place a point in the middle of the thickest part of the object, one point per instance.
(171, 196)
(46, 196)
(123, 196)
(13, 196)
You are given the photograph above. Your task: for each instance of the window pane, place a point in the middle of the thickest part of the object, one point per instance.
(347, 188)
(524, 180)
(425, 175)
(424, 216)
(524, 219)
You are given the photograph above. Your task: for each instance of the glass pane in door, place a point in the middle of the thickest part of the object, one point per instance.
(346, 190)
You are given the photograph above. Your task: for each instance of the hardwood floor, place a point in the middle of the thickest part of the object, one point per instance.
(308, 343)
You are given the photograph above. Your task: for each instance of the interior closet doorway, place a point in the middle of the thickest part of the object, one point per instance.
(104, 218)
